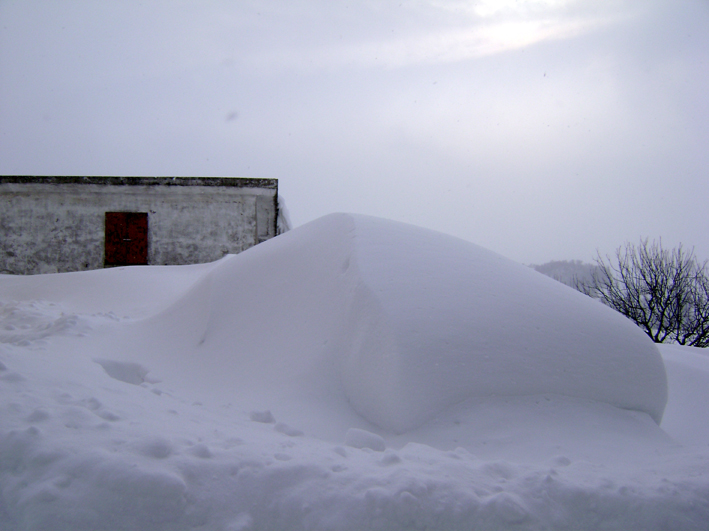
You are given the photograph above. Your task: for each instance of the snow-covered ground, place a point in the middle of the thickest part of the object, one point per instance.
(351, 374)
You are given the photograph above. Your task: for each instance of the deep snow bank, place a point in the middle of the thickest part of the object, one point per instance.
(136, 292)
(686, 418)
(401, 323)
(212, 398)
(446, 320)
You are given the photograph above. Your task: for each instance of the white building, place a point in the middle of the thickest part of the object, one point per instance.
(58, 224)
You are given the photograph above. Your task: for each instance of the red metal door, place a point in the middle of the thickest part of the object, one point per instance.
(126, 238)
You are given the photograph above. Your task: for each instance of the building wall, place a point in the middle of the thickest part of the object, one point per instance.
(52, 224)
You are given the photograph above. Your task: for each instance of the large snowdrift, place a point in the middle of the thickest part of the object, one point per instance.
(410, 321)
(353, 373)
(439, 319)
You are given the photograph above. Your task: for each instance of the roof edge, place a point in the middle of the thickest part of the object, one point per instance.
(238, 182)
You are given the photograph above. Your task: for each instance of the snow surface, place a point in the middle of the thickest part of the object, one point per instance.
(351, 374)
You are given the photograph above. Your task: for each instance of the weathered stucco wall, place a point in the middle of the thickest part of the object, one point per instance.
(54, 224)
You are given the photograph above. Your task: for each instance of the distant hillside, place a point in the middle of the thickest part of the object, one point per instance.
(566, 271)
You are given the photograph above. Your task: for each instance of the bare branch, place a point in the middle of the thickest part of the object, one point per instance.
(665, 292)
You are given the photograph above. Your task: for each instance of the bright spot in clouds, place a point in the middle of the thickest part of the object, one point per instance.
(457, 31)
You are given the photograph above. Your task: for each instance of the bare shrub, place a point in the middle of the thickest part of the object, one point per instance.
(666, 292)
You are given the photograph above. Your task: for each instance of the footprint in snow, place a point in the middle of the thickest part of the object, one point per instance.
(124, 371)
(26, 323)
(265, 417)
(280, 427)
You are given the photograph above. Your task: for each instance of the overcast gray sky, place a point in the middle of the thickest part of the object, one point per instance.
(541, 129)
